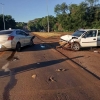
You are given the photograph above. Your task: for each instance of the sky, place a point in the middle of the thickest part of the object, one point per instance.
(25, 10)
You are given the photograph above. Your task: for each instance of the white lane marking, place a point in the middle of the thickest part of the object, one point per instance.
(5, 67)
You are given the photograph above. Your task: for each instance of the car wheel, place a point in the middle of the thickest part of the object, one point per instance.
(18, 47)
(75, 46)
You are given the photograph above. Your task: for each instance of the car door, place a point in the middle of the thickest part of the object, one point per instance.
(89, 39)
(98, 38)
(20, 37)
(27, 38)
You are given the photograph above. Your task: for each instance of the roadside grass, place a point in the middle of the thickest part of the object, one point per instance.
(51, 34)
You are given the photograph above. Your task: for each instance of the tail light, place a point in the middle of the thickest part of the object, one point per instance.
(10, 37)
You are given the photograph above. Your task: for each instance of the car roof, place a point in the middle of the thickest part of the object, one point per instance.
(87, 29)
(11, 30)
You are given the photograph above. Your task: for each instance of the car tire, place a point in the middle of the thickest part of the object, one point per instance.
(18, 47)
(75, 46)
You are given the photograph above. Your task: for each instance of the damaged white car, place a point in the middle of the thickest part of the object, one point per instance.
(81, 38)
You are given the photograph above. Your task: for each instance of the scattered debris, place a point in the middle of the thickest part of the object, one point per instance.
(34, 76)
(96, 51)
(5, 67)
(52, 79)
(15, 58)
(61, 69)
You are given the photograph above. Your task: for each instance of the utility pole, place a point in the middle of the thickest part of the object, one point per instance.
(3, 15)
(47, 16)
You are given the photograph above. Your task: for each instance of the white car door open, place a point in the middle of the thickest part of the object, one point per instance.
(89, 39)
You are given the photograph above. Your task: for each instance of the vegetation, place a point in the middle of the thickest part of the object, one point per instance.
(9, 22)
(68, 18)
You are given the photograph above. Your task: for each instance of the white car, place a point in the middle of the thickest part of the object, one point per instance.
(14, 39)
(81, 38)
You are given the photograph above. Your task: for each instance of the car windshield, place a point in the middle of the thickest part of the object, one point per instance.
(78, 33)
(5, 32)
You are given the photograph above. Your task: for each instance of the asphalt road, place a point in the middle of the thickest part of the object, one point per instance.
(41, 73)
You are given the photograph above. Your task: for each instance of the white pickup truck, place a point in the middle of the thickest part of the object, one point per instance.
(81, 38)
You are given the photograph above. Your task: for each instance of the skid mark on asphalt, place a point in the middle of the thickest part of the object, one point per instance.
(11, 56)
(9, 86)
(12, 82)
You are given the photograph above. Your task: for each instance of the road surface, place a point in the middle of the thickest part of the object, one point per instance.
(41, 73)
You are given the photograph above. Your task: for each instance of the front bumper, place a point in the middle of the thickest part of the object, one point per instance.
(64, 44)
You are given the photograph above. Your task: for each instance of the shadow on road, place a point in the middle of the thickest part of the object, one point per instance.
(50, 45)
(40, 46)
(34, 66)
(12, 82)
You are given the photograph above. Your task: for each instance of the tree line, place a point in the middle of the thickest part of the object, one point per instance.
(68, 18)
(11, 23)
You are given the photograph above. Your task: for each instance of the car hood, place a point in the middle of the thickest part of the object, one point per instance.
(68, 37)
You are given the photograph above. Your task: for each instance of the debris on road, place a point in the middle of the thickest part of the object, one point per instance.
(96, 51)
(52, 79)
(34, 76)
(58, 70)
(15, 58)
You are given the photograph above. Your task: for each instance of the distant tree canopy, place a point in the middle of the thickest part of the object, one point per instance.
(21, 25)
(68, 18)
(40, 24)
(9, 22)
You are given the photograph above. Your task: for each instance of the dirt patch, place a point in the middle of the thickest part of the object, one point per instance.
(50, 35)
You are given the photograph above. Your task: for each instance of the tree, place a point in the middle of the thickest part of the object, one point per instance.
(92, 2)
(21, 25)
(64, 8)
(9, 22)
(61, 9)
(57, 9)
